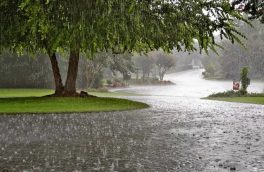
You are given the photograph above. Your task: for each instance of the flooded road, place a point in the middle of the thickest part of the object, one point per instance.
(180, 132)
(191, 84)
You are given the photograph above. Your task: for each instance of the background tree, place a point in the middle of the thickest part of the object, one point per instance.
(164, 63)
(233, 57)
(251, 56)
(24, 71)
(145, 64)
(94, 69)
(122, 63)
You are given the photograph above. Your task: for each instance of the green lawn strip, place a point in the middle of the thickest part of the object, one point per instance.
(56, 105)
(14, 92)
(253, 100)
(42, 92)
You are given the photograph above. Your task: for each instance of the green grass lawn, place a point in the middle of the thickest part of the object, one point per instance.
(31, 101)
(24, 92)
(238, 96)
(253, 100)
(42, 92)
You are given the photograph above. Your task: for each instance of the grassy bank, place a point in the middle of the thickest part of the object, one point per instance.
(253, 100)
(4, 93)
(232, 96)
(31, 101)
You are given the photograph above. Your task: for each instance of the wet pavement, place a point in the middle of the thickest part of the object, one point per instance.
(180, 132)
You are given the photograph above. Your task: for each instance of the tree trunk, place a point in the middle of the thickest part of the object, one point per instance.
(160, 74)
(161, 77)
(56, 74)
(70, 85)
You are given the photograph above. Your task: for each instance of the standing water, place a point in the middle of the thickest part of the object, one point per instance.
(191, 84)
(180, 132)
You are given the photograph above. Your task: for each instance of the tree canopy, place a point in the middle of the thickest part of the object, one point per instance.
(119, 25)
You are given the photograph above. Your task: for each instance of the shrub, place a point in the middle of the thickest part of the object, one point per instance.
(245, 81)
(229, 93)
(109, 82)
(239, 93)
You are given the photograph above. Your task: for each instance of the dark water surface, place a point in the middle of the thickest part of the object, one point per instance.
(180, 132)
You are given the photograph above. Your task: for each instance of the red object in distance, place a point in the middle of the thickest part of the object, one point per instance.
(236, 85)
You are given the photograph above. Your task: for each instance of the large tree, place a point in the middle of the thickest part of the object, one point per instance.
(90, 26)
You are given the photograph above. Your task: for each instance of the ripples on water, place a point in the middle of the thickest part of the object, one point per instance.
(180, 132)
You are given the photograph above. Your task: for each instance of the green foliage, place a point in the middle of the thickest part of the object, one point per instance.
(107, 60)
(245, 81)
(98, 80)
(109, 82)
(52, 26)
(150, 81)
(232, 93)
(92, 26)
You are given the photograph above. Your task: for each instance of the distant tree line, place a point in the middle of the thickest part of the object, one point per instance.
(27, 72)
(154, 64)
(233, 57)
(24, 72)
